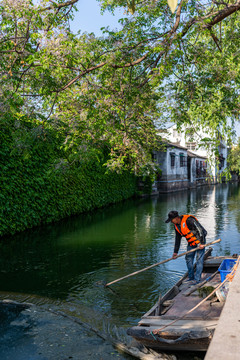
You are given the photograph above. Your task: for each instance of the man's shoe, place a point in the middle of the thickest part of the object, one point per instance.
(195, 282)
(189, 281)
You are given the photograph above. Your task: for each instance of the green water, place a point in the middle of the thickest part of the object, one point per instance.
(63, 264)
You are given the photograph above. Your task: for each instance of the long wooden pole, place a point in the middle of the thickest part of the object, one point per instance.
(161, 262)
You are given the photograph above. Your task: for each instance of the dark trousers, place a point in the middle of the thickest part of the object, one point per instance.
(199, 263)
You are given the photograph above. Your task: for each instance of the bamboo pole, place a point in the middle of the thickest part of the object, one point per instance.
(161, 262)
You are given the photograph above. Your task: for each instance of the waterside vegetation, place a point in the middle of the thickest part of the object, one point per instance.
(39, 184)
(80, 114)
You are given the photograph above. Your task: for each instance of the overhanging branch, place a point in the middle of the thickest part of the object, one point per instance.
(222, 14)
(168, 40)
(59, 6)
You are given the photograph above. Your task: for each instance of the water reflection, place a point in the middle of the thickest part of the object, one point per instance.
(65, 261)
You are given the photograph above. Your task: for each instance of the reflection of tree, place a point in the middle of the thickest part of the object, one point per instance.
(221, 195)
(41, 266)
(50, 259)
(233, 205)
(66, 259)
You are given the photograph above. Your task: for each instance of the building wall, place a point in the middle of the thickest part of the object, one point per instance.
(174, 176)
(199, 172)
(184, 140)
(184, 172)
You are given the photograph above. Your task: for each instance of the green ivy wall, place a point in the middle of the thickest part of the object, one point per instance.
(38, 184)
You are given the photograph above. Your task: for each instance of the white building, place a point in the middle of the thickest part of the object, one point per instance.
(181, 169)
(192, 141)
(173, 164)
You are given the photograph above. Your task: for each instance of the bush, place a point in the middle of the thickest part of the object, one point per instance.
(39, 185)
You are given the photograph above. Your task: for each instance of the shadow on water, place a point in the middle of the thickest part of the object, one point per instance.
(61, 263)
(48, 259)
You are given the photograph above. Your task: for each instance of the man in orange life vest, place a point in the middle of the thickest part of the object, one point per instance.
(195, 234)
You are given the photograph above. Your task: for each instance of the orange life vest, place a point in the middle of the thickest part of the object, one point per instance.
(191, 238)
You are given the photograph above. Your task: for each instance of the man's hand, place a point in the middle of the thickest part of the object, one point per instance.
(174, 256)
(201, 246)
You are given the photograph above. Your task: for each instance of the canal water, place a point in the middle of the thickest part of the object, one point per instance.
(61, 268)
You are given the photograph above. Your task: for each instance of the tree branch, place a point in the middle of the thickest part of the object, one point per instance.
(215, 39)
(82, 74)
(222, 14)
(59, 6)
(168, 40)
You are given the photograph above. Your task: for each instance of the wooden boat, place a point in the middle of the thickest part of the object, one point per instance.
(194, 331)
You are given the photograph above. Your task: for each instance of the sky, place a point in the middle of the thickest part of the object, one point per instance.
(89, 18)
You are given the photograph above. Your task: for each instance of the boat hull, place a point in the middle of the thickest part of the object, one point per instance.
(193, 340)
(171, 325)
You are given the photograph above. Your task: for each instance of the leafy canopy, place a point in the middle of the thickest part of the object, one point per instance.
(110, 91)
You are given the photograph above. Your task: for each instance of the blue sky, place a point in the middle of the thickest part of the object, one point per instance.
(89, 19)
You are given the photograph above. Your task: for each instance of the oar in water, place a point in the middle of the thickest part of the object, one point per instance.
(161, 262)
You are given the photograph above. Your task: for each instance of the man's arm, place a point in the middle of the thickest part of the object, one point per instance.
(196, 229)
(177, 243)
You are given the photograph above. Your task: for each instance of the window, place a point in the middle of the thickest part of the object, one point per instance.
(172, 155)
(176, 134)
(201, 167)
(221, 162)
(183, 160)
(198, 172)
(191, 145)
